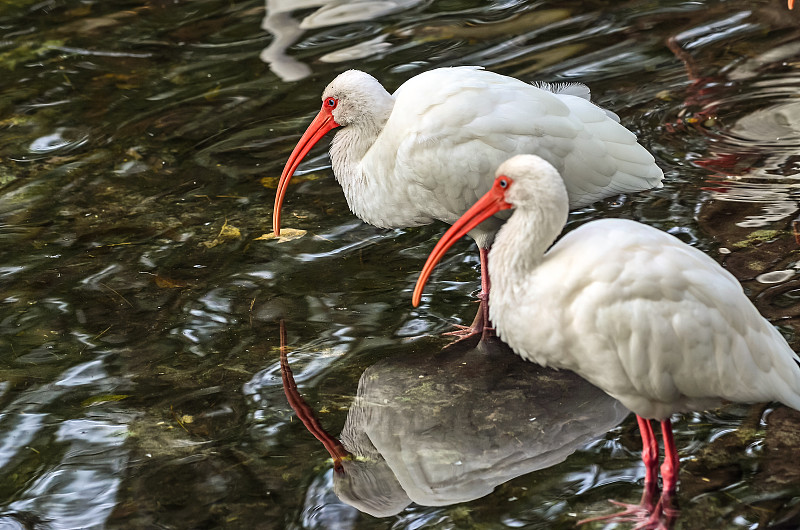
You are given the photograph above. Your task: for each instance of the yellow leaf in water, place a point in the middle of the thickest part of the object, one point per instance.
(226, 233)
(133, 153)
(270, 182)
(229, 232)
(166, 283)
(212, 94)
(287, 234)
(96, 400)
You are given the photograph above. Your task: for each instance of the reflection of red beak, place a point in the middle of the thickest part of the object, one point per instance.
(320, 126)
(304, 412)
(487, 206)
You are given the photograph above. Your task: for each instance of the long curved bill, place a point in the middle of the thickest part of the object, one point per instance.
(319, 127)
(488, 205)
(791, 4)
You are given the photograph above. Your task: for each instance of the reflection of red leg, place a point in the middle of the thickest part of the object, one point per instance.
(644, 511)
(481, 324)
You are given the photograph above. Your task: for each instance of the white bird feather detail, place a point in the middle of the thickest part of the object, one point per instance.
(657, 324)
(428, 151)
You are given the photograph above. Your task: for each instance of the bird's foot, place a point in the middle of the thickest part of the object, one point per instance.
(480, 327)
(666, 511)
(661, 518)
(470, 332)
(630, 513)
(462, 332)
(645, 515)
(633, 512)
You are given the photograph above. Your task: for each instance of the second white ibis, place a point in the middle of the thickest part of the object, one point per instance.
(655, 323)
(427, 152)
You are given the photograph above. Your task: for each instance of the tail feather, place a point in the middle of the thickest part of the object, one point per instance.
(573, 89)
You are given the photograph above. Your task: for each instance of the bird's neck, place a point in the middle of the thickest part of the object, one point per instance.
(348, 149)
(520, 246)
(352, 142)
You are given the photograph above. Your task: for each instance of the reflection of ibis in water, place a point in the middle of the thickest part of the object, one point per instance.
(286, 30)
(448, 427)
(652, 321)
(427, 152)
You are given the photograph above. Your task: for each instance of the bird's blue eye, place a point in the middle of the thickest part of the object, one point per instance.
(330, 102)
(502, 182)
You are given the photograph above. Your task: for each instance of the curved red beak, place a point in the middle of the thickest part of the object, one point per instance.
(791, 4)
(492, 202)
(319, 127)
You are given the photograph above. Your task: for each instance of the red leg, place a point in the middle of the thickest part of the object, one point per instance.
(642, 512)
(665, 513)
(488, 329)
(669, 470)
(650, 459)
(483, 254)
(481, 324)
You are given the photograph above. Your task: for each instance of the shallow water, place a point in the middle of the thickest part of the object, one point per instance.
(141, 143)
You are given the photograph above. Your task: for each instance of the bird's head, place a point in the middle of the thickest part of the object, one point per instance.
(524, 181)
(531, 181)
(353, 98)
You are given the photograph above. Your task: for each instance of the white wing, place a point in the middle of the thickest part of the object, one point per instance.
(629, 299)
(451, 127)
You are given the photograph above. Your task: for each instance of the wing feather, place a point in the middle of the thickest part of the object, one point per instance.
(665, 314)
(451, 127)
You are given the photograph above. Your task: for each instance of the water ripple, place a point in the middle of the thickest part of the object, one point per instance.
(133, 133)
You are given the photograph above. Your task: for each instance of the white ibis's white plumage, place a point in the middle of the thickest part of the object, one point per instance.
(427, 152)
(655, 323)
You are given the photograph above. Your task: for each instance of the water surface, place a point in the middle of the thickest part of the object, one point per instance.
(141, 145)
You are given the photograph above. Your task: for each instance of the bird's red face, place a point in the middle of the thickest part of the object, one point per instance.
(319, 127)
(492, 202)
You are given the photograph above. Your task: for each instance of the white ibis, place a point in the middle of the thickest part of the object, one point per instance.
(655, 323)
(426, 152)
